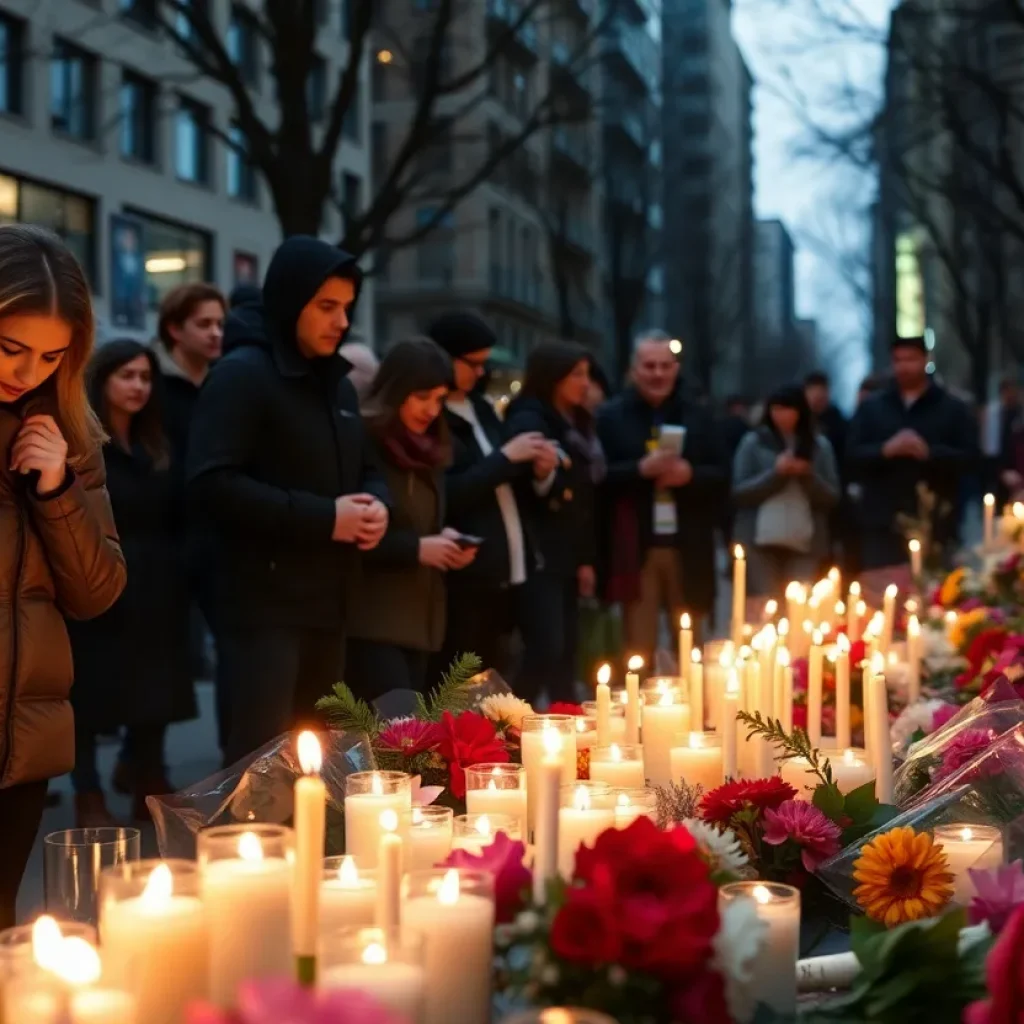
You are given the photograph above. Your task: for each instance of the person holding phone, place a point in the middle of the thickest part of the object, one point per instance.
(399, 619)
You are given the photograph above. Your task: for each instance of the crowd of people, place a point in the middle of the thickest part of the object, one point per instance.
(333, 517)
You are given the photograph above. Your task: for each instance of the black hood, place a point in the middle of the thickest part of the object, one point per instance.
(245, 326)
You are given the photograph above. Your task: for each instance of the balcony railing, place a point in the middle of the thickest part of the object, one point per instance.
(572, 147)
(629, 123)
(636, 49)
(507, 13)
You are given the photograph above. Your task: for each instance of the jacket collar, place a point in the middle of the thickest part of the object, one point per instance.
(290, 362)
(168, 367)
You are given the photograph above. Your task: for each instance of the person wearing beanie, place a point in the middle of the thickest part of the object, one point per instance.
(487, 468)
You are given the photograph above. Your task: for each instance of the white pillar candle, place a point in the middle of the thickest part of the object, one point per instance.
(666, 720)
(498, 789)
(969, 848)
(621, 767)
(385, 964)
(842, 656)
(546, 788)
(603, 699)
(888, 618)
(631, 804)
(795, 771)
(310, 831)
(696, 690)
(774, 967)
(633, 700)
(815, 683)
(730, 708)
(389, 871)
(457, 913)
(914, 547)
(367, 796)
(879, 708)
(796, 602)
(989, 527)
(739, 594)
(247, 881)
(685, 643)
(699, 762)
(850, 769)
(475, 832)
(587, 810)
(913, 659)
(155, 937)
(348, 896)
(534, 747)
(427, 835)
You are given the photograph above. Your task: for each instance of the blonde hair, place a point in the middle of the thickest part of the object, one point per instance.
(39, 276)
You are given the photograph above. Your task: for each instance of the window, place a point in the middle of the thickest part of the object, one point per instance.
(379, 149)
(12, 64)
(436, 252)
(436, 156)
(353, 123)
(351, 197)
(316, 89)
(71, 216)
(243, 44)
(175, 254)
(138, 118)
(72, 91)
(142, 12)
(241, 175)
(192, 142)
(494, 245)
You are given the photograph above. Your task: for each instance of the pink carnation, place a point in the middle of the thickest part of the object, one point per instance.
(942, 715)
(409, 736)
(998, 892)
(961, 749)
(504, 860)
(803, 824)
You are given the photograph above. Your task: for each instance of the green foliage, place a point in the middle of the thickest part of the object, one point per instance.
(454, 693)
(794, 744)
(914, 973)
(344, 710)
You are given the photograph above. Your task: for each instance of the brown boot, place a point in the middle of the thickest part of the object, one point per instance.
(91, 811)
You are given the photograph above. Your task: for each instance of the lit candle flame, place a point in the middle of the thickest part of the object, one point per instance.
(552, 740)
(388, 820)
(966, 834)
(310, 755)
(989, 500)
(862, 609)
(913, 626)
(1018, 510)
(636, 663)
(833, 574)
(614, 752)
(840, 607)
(46, 942)
(684, 621)
(483, 825)
(877, 663)
(348, 873)
(79, 963)
(159, 888)
(762, 894)
(375, 953)
(783, 656)
(914, 546)
(667, 699)
(732, 684)
(581, 799)
(695, 656)
(843, 643)
(249, 847)
(623, 800)
(604, 675)
(816, 637)
(448, 893)
(696, 740)
(770, 608)
(849, 757)
(417, 817)
(376, 785)
(891, 591)
(783, 627)
(582, 724)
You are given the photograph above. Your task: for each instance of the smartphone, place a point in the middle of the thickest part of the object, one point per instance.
(465, 541)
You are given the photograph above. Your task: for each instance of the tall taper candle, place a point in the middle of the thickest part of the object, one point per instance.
(888, 618)
(696, 691)
(914, 547)
(880, 736)
(633, 700)
(815, 684)
(989, 532)
(852, 612)
(548, 783)
(730, 708)
(603, 698)
(842, 692)
(739, 594)
(914, 659)
(310, 831)
(685, 643)
(389, 871)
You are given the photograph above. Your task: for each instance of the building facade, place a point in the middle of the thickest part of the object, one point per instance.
(109, 138)
(776, 342)
(708, 204)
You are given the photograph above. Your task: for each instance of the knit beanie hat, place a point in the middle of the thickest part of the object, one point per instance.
(459, 334)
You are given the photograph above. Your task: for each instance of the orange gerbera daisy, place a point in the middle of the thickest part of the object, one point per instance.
(903, 876)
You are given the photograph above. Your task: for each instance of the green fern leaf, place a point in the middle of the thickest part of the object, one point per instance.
(453, 694)
(344, 710)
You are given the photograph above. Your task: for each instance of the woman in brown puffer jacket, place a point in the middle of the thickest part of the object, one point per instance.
(59, 553)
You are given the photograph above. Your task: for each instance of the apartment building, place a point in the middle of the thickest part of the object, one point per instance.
(523, 248)
(110, 139)
(776, 348)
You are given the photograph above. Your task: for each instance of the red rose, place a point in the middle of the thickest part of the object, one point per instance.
(1004, 972)
(721, 804)
(987, 643)
(561, 707)
(585, 929)
(467, 740)
(701, 998)
(858, 652)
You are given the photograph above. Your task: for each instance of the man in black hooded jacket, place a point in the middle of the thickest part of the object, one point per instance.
(278, 468)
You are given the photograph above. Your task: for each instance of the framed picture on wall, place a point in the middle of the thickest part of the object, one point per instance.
(127, 273)
(246, 268)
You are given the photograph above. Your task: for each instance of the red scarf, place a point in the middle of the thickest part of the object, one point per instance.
(412, 451)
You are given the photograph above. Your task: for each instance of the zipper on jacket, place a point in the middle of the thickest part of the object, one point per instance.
(12, 688)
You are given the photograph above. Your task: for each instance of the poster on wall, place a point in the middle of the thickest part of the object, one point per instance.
(247, 268)
(127, 273)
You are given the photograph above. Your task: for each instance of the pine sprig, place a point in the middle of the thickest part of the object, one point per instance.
(794, 744)
(453, 693)
(344, 710)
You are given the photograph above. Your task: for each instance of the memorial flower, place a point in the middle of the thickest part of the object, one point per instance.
(467, 740)
(806, 828)
(961, 749)
(409, 736)
(721, 804)
(503, 858)
(720, 847)
(997, 894)
(1004, 972)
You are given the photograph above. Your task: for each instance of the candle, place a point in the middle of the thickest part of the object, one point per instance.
(795, 771)
(914, 547)
(815, 667)
(685, 643)
(427, 835)
(784, 689)
(367, 796)
(155, 937)
(774, 967)
(389, 871)
(842, 692)
(534, 746)
(546, 789)
(699, 762)
(621, 767)
(456, 910)
(730, 708)
(603, 699)
(851, 770)
(882, 748)
(348, 896)
(384, 963)
(796, 599)
(666, 718)
(969, 847)
(246, 888)
(739, 594)
(989, 529)
(633, 700)
(852, 614)
(499, 789)
(631, 804)
(586, 724)
(914, 659)
(888, 618)
(310, 832)
(474, 832)
(696, 690)
(587, 810)
(771, 609)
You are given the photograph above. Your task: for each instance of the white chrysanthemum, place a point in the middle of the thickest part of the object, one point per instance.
(505, 707)
(916, 717)
(721, 848)
(740, 933)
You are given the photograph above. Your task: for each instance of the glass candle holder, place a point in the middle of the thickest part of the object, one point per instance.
(246, 875)
(16, 949)
(155, 937)
(587, 809)
(631, 804)
(456, 909)
(967, 847)
(73, 861)
(666, 717)
(473, 832)
(696, 759)
(621, 765)
(386, 963)
(774, 967)
(44, 999)
(497, 789)
(617, 717)
(558, 1015)
(546, 736)
(348, 895)
(367, 795)
(427, 834)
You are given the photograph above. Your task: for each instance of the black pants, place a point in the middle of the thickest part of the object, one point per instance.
(273, 677)
(142, 748)
(21, 811)
(881, 548)
(373, 668)
(548, 618)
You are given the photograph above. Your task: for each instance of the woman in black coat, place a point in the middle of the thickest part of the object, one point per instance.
(131, 664)
(552, 402)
